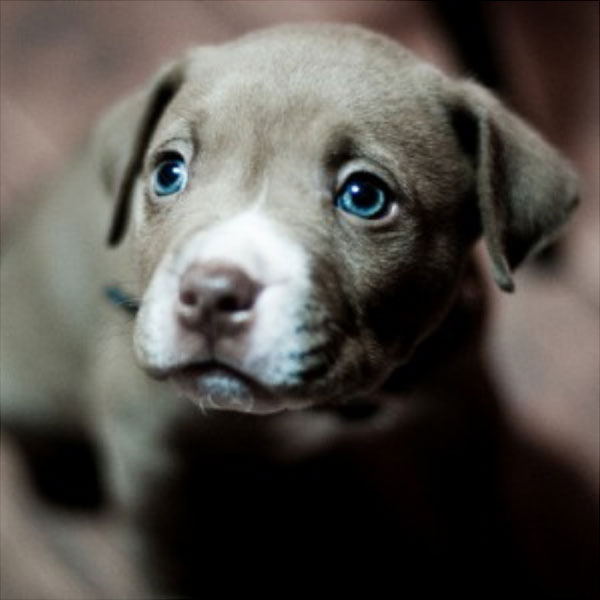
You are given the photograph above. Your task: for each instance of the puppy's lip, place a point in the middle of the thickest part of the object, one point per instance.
(215, 385)
(215, 367)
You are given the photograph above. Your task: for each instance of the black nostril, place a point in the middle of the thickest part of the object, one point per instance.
(188, 297)
(231, 304)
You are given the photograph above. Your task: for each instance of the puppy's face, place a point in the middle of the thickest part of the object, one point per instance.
(301, 217)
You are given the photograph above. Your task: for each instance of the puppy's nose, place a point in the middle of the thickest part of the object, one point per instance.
(216, 298)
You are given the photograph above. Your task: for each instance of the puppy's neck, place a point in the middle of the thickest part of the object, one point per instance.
(454, 349)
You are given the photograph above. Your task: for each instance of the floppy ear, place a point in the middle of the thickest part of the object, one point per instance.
(525, 190)
(123, 137)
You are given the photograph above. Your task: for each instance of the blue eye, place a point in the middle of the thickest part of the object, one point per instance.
(170, 176)
(364, 196)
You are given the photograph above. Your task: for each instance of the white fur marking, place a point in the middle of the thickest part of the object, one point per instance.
(253, 243)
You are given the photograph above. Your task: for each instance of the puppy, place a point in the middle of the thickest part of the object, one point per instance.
(255, 290)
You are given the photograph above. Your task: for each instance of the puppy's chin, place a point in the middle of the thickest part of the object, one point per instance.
(221, 389)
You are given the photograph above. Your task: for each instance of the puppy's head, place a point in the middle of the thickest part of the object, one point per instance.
(301, 203)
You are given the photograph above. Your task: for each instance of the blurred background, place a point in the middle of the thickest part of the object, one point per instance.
(63, 63)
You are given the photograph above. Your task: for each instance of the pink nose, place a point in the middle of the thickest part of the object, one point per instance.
(216, 299)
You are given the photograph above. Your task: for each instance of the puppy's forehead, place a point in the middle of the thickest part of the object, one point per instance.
(290, 71)
(299, 51)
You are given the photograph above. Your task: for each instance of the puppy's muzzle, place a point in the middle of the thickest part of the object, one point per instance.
(236, 320)
(216, 300)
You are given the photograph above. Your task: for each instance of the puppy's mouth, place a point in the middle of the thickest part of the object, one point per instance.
(214, 385)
